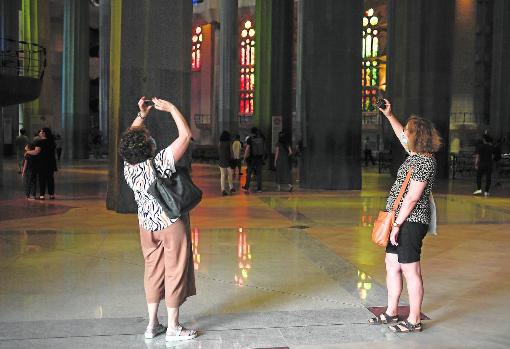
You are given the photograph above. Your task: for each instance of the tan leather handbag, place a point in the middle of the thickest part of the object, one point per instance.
(384, 222)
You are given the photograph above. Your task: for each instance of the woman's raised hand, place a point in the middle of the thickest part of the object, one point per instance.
(161, 104)
(144, 109)
(387, 109)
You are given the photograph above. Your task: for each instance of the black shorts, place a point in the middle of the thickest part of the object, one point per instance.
(409, 240)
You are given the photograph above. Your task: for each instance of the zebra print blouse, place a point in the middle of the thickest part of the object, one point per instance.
(139, 177)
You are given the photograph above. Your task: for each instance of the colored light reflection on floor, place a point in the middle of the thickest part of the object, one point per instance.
(243, 258)
(364, 284)
(195, 240)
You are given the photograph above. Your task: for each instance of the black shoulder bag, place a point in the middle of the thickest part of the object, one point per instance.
(176, 193)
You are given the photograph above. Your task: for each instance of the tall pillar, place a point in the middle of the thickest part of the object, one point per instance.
(500, 89)
(228, 108)
(150, 55)
(263, 66)
(273, 82)
(420, 35)
(28, 30)
(281, 61)
(331, 93)
(104, 65)
(75, 79)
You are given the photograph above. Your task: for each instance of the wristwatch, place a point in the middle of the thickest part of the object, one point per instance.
(396, 225)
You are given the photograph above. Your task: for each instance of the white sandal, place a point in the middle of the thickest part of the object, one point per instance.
(178, 336)
(154, 331)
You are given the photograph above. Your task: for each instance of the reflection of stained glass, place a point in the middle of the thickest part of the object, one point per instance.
(247, 68)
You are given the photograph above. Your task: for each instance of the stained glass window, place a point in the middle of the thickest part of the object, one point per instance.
(370, 65)
(247, 68)
(196, 51)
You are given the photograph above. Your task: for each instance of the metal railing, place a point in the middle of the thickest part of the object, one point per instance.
(203, 121)
(459, 118)
(21, 58)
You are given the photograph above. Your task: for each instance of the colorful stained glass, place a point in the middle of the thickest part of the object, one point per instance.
(196, 54)
(247, 68)
(370, 54)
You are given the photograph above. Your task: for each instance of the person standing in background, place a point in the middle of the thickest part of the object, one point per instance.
(368, 152)
(483, 165)
(282, 163)
(236, 153)
(29, 173)
(21, 142)
(225, 163)
(58, 146)
(46, 163)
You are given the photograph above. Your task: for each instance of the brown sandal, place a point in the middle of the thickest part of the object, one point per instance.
(383, 319)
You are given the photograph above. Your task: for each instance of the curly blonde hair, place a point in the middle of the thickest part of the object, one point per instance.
(423, 136)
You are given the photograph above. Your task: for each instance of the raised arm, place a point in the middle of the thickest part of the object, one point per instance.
(142, 114)
(395, 124)
(180, 145)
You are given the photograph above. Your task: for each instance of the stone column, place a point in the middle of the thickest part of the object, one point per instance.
(263, 67)
(75, 79)
(420, 35)
(104, 65)
(150, 55)
(331, 93)
(273, 86)
(228, 108)
(281, 61)
(500, 88)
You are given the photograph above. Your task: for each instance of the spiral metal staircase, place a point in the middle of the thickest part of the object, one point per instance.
(22, 66)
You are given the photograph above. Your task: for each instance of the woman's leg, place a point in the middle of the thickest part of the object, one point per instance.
(412, 274)
(42, 175)
(222, 178)
(393, 282)
(230, 179)
(154, 274)
(152, 309)
(51, 183)
(177, 283)
(488, 179)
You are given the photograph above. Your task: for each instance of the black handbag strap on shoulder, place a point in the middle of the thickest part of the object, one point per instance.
(167, 173)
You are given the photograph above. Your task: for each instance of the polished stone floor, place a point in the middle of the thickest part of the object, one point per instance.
(274, 269)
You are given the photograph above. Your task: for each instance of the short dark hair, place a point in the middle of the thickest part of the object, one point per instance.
(225, 136)
(254, 130)
(136, 145)
(22, 131)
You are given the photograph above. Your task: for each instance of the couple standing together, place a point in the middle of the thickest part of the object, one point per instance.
(166, 243)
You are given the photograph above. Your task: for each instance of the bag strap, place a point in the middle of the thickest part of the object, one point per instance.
(154, 168)
(402, 189)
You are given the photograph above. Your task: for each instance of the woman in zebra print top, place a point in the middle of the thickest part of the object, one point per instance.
(166, 243)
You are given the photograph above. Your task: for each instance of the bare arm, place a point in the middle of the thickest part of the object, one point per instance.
(395, 124)
(36, 151)
(416, 188)
(180, 145)
(24, 168)
(290, 151)
(142, 115)
(276, 153)
(246, 152)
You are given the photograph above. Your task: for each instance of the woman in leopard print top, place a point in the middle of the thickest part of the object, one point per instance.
(421, 140)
